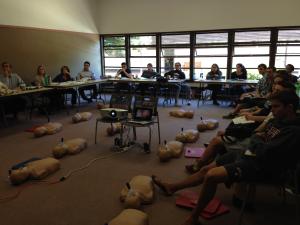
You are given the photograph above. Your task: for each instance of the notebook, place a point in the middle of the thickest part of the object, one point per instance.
(193, 152)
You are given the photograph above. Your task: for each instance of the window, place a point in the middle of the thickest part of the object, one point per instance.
(211, 48)
(142, 52)
(251, 48)
(288, 50)
(114, 54)
(175, 48)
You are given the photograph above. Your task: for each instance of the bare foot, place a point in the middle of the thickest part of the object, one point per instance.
(164, 187)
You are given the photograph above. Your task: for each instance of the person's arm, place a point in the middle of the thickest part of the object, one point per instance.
(128, 73)
(181, 75)
(169, 73)
(255, 118)
(219, 75)
(208, 76)
(93, 76)
(19, 80)
(57, 79)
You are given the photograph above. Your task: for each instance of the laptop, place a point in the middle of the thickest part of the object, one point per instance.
(142, 114)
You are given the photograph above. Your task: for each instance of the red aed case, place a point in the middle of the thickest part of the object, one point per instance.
(188, 199)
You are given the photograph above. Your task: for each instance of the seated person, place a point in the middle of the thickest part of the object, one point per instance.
(222, 138)
(147, 74)
(264, 85)
(65, 76)
(179, 74)
(87, 74)
(250, 102)
(124, 72)
(268, 155)
(214, 74)
(239, 74)
(42, 78)
(14, 82)
(290, 69)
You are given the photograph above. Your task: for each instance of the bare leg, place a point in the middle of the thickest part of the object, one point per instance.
(211, 180)
(215, 146)
(193, 180)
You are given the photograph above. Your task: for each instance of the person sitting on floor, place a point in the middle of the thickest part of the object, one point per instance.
(179, 74)
(65, 76)
(86, 73)
(268, 155)
(214, 74)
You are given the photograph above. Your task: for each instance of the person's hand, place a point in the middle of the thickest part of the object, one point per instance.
(245, 114)
(249, 117)
(220, 133)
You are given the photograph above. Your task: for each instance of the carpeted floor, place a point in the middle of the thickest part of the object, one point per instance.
(91, 196)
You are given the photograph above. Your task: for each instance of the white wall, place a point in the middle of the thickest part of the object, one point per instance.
(69, 15)
(137, 16)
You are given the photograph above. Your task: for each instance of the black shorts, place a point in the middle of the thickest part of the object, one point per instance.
(245, 169)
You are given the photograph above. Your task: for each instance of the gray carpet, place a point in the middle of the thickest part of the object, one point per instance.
(91, 196)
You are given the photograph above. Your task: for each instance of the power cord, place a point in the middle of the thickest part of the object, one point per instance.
(56, 181)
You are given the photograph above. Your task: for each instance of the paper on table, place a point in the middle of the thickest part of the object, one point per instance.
(241, 120)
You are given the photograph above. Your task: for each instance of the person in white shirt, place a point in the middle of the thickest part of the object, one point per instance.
(89, 75)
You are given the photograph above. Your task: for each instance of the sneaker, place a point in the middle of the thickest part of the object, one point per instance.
(229, 116)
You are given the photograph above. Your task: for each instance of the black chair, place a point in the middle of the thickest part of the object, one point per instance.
(118, 102)
(293, 187)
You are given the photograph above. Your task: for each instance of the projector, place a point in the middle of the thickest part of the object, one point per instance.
(114, 114)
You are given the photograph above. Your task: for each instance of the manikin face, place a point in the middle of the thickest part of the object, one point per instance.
(86, 67)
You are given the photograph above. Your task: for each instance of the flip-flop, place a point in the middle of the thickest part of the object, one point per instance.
(161, 186)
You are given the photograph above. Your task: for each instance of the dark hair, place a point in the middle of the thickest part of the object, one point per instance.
(64, 67)
(286, 98)
(291, 66)
(282, 74)
(123, 63)
(272, 68)
(150, 64)
(87, 62)
(218, 69)
(38, 68)
(262, 65)
(287, 85)
(244, 71)
(178, 63)
(6, 63)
